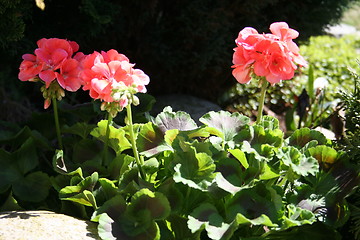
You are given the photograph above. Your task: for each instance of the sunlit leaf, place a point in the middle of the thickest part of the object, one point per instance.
(269, 122)
(232, 171)
(85, 198)
(240, 155)
(326, 156)
(206, 216)
(302, 136)
(82, 192)
(117, 139)
(10, 204)
(180, 120)
(297, 161)
(273, 137)
(193, 169)
(228, 123)
(295, 216)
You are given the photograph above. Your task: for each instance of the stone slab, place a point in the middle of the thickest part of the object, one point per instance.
(44, 225)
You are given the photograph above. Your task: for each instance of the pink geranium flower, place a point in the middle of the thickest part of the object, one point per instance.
(53, 59)
(273, 56)
(48, 61)
(110, 77)
(30, 67)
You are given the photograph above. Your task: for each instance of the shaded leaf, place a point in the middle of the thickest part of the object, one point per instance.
(9, 173)
(81, 129)
(10, 204)
(114, 208)
(146, 205)
(253, 203)
(150, 140)
(26, 157)
(33, 188)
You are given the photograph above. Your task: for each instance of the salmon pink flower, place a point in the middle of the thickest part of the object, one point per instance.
(53, 60)
(110, 77)
(30, 67)
(273, 55)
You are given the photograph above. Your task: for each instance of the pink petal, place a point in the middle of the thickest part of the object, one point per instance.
(113, 55)
(242, 75)
(57, 57)
(74, 46)
(47, 76)
(282, 30)
(29, 57)
(102, 69)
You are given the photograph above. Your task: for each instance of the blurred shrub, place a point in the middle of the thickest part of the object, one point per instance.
(184, 45)
(330, 58)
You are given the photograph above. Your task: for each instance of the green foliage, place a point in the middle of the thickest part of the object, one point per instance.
(225, 179)
(350, 143)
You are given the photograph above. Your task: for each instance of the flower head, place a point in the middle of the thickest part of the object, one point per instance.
(110, 77)
(53, 59)
(273, 55)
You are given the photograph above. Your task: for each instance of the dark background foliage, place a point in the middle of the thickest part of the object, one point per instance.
(185, 46)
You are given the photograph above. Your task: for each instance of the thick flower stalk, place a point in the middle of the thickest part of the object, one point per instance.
(53, 63)
(272, 57)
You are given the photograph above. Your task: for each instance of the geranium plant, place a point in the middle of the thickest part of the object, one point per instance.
(170, 178)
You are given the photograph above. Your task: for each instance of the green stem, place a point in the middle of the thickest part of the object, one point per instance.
(106, 144)
(262, 100)
(139, 161)
(57, 125)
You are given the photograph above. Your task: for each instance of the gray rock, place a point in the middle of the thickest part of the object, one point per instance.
(44, 225)
(195, 106)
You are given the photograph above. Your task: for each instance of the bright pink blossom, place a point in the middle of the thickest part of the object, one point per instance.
(52, 60)
(107, 73)
(30, 67)
(273, 56)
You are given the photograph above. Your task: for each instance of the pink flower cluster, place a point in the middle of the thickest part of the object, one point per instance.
(108, 73)
(53, 60)
(109, 76)
(273, 55)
